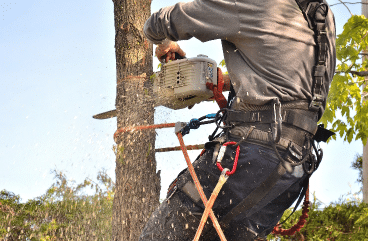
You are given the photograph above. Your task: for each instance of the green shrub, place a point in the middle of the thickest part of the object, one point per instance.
(346, 220)
(63, 213)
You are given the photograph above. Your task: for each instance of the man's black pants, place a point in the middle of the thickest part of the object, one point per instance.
(178, 217)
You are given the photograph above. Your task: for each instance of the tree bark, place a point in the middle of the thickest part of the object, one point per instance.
(137, 184)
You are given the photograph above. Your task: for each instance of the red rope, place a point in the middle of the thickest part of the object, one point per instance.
(178, 148)
(302, 220)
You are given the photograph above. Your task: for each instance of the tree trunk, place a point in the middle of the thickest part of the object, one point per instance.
(137, 184)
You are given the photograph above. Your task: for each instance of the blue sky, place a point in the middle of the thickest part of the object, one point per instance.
(57, 70)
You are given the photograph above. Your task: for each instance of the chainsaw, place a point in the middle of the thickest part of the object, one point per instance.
(180, 83)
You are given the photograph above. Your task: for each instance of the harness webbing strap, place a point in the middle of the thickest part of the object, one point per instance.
(292, 117)
(315, 13)
(304, 5)
(262, 137)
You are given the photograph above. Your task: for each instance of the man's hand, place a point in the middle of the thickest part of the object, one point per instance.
(167, 50)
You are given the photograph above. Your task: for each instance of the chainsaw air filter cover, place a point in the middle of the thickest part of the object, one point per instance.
(182, 83)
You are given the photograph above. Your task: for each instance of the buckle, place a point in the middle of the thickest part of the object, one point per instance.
(295, 152)
(277, 120)
(312, 11)
(316, 102)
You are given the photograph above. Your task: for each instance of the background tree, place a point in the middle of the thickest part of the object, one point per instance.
(346, 92)
(137, 184)
(64, 212)
(348, 89)
(357, 164)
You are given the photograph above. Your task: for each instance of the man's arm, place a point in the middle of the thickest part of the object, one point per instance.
(203, 19)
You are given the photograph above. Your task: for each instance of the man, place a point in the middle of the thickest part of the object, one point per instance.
(270, 54)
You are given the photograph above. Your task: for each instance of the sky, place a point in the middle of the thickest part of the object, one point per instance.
(57, 70)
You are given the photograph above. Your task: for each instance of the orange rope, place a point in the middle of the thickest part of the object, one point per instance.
(209, 205)
(189, 163)
(136, 128)
(199, 187)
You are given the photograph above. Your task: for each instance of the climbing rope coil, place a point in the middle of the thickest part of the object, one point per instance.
(182, 129)
(300, 224)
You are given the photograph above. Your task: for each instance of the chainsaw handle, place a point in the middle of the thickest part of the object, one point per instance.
(177, 56)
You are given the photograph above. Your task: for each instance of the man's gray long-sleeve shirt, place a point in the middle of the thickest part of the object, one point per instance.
(268, 47)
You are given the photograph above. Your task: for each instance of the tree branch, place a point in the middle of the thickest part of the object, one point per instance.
(361, 73)
(357, 73)
(346, 7)
(346, 3)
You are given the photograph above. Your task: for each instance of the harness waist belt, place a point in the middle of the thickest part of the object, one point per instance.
(291, 117)
(263, 137)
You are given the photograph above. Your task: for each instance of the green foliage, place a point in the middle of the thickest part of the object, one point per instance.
(346, 91)
(340, 221)
(63, 213)
(223, 64)
(66, 213)
(357, 164)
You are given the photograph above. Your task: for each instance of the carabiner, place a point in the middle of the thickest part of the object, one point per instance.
(221, 156)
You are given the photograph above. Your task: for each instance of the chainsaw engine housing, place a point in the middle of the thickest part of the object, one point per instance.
(182, 83)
